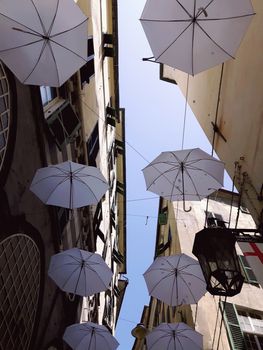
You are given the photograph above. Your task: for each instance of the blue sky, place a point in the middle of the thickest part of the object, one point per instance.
(154, 123)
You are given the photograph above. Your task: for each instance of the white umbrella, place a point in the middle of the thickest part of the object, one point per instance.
(193, 36)
(69, 185)
(175, 280)
(80, 272)
(173, 336)
(89, 336)
(190, 174)
(43, 42)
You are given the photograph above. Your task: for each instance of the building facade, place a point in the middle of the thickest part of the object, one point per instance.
(81, 121)
(227, 103)
(241, 326)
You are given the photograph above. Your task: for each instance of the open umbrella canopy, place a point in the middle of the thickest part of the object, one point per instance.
(173, 336)
(195, 35)
(80, 272)
(42, 42)
(69, 185)
(175, 280)
(190, 174)
(89, 336)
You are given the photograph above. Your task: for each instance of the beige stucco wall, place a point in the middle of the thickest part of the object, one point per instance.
(251, 297)
(240, 114)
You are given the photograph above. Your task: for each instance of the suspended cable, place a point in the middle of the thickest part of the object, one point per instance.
(221, 324)
(196, 313)
(217, 314)
(214, 133)
(232, 195)
(240, 200)
(185, 109)
(217, 107)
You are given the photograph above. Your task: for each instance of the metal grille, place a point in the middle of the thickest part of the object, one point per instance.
(4, 113)
(19, 291)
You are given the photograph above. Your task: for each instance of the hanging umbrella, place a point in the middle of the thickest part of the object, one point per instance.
(69, 185)
(175, 280)
(190, 174)
(79, 272)
(42, 42)
(89, 336)
(194, 36)
(173, 336)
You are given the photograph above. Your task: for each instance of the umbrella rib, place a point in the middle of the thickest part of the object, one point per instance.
(69, 277)
(184, 336)
(21, 24)
(48, 177)
(85, 184)
(18, 47)
(39, 17)
(205, 8)
(174, 41)
(225, 18)
(66, 48)
(202, 170)
(184, 9)
(41, 52)
(221, 48)
(166, 335)
(54, 59)
(193, 36)
(166, 20)
(193, 275)
(53, 20)
(50, 194)
(189, 289)
(68, 30)
(180, 343)
(196, 192)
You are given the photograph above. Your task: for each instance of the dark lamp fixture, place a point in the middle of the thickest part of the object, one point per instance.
(216, 253)
(139, 331)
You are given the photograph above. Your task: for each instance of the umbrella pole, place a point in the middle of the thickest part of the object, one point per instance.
(182, 169)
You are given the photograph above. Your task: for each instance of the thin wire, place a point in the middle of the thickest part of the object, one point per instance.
(221, 324)
(239, 200)
(232, 196)
(217, 313)
(185, 109)
(196, 313)
(129, 144)
(214, 133)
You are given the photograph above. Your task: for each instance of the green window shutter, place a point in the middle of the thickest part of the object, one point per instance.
(234, 332)
(248, 272)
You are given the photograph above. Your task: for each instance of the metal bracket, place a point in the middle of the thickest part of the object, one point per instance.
(216, 129)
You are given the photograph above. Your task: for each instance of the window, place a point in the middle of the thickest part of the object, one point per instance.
(63, 122)
(247, 271)
(214, 220)
(163, 246)
(88, 71)
(108, 45)
(47, 94)
(251, 324)
(244, 328)
(93, 145)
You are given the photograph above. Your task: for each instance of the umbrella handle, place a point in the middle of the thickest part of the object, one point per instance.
(71, 296)
(186, 210)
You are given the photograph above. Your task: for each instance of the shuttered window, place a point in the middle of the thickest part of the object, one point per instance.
(244, 328)
(234, 332)
(247, 271)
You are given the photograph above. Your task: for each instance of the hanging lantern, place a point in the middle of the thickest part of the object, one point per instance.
(215, 250)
